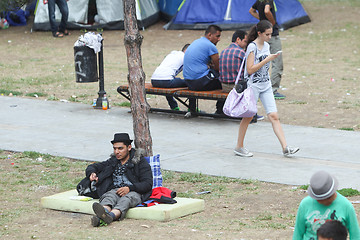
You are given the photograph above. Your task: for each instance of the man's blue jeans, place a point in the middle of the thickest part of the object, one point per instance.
(64, 10)
(174, 83)
(205, 83)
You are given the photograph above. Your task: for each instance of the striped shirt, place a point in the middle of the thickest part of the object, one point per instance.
(230, 62)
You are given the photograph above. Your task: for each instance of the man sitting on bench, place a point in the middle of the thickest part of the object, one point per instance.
(165, 74)
(201, 63)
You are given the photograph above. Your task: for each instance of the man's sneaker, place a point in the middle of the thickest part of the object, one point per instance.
(290, 150)
(259, 117)
(278, 96)
(197, 110)
(219, 112)
(176, 109)
(95, 221)
(100, 212)
(243, 152)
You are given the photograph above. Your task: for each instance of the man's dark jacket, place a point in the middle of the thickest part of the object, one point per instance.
(138, 172)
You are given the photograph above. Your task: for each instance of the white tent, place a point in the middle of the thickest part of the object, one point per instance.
(109, 14)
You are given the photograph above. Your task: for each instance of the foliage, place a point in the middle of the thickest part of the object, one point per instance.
(8, 92)
(52, 98)
(349, 192)
(346, 129)
(304, 187)
(36, 94)
(123, 104)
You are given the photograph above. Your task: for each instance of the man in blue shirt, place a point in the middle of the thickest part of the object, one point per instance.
(201, 63)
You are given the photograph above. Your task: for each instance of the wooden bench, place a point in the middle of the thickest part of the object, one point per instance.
(179, 94)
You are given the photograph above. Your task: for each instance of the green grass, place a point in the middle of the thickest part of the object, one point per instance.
(199, 177)
(31, 81)
(30, 171)
(52, 98)
(7, 92)
(36, 60)
(304, 187)
(73, 99)
(349, 192)
(33, 155)
(264, 217)
(45, 170)
(167, 175)
(347, 129)
(298, 102)
(33, 175)
(122, 104)
(36, 94)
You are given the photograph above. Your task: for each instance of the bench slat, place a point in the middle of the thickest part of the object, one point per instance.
(214, 94)
(179, 92)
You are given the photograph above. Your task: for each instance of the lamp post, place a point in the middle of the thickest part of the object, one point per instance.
(102, 94)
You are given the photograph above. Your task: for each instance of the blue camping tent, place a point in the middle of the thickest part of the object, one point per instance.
(290, 13)
(232, 14)
(168, 8)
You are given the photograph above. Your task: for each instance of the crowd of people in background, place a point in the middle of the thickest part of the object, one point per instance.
(205, 69)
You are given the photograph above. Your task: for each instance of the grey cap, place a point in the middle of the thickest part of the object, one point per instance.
(322, 185)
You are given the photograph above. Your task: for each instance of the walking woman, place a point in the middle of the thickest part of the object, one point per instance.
(257, 65)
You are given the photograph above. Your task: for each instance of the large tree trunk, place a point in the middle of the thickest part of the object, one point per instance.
(136, 79)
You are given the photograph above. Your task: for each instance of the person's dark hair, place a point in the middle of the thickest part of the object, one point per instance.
(333, 229)
(238, 34)
(261, 27)
(185, 47)
(212, 29)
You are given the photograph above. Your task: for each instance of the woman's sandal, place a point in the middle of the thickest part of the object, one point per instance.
(58, 35)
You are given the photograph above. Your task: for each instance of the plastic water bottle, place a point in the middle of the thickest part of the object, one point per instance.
(105, 102)
(4, 23)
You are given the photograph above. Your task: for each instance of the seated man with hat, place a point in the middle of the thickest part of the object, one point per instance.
(122, 182)
(322, 205)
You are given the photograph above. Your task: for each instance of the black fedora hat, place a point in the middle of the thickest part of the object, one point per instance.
(121, 137)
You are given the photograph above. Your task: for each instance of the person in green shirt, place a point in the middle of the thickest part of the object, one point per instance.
(324, 204)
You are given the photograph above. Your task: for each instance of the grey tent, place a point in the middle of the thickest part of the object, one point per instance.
(97, 14)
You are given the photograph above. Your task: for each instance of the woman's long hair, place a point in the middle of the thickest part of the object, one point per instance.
(261, 27)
